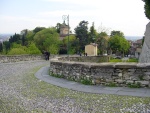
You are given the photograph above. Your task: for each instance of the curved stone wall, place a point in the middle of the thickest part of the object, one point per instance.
(120, 74)
(77, 58)
(17, 58)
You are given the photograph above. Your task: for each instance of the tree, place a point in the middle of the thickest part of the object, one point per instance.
(81, 32)
(32, 49)
(102, 42)
(92, 34)
(1, 47)
(73, 44)
(119, 33)
(117, 43)
(29, 37)
(103, 34)
(58, 25)
(47, 39)
(147, 8)
(6, 45)
(23, 40)
(37, 29)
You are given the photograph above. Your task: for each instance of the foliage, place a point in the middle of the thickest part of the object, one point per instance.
(111, 84)
(73, 44)
(102, 42)
(57, 75)
(118, 43)
(134, 85)
(92, 34)
(119, 60)
(32, 49)
(133, 60)
(58, 27)
(47, 39)
(103, 34)
(29, 36)
(118, 33)
(37, 29)
(86, 82)
(17, 51)
(115, 60)
(147, 8)
(54, 49)
(6, 46)
(15, 38)
(141, 77)
(1, 47)
(81, 32)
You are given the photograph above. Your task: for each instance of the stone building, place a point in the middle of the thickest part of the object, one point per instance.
(91, 49)
(64, 30)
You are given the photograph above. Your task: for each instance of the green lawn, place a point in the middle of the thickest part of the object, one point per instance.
(119, 60)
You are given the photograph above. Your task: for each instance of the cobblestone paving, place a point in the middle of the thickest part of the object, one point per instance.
(21, 92)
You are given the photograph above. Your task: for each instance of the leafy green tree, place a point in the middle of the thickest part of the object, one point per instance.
(118, 43)
(147, 8)
(102, 42)
(103, 34)
(47, 39)
(37, 29)
(17, 51)
(52, 43)
(29, 37)
(119, 33)
(73, 44)
(32, 49)
(81, 32)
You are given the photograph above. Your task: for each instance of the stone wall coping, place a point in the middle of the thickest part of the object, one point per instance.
(20, 55)
(105, 64)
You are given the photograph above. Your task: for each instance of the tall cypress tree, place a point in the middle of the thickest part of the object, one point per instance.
(1, 47)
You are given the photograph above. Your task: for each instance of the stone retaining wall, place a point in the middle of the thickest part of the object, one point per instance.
(17, 58)
(118, 74)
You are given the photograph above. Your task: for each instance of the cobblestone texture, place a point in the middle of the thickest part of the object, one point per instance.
(21, 92)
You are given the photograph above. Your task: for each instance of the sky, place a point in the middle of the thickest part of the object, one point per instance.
(126, 16)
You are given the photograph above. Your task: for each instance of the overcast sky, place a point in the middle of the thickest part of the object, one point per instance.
(123, 15)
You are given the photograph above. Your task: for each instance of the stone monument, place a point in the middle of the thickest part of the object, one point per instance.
(145, 54)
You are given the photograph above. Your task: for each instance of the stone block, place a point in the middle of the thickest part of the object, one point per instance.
(97, 81)
(109, 80)
(131, 70)
(129, 81)
(120, 81)
(120, 74)
(143, 82)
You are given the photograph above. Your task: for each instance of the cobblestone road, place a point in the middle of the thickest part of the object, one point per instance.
(21, 92)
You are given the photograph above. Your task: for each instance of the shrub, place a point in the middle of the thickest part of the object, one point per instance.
(57, 75)
(17, 51)
(86, 81)
(134, 85)
(111, 84)
(32, 49)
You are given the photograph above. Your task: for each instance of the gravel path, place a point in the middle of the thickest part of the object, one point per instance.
(21, 92)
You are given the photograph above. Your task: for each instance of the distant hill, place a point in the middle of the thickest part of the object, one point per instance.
(133, 38)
